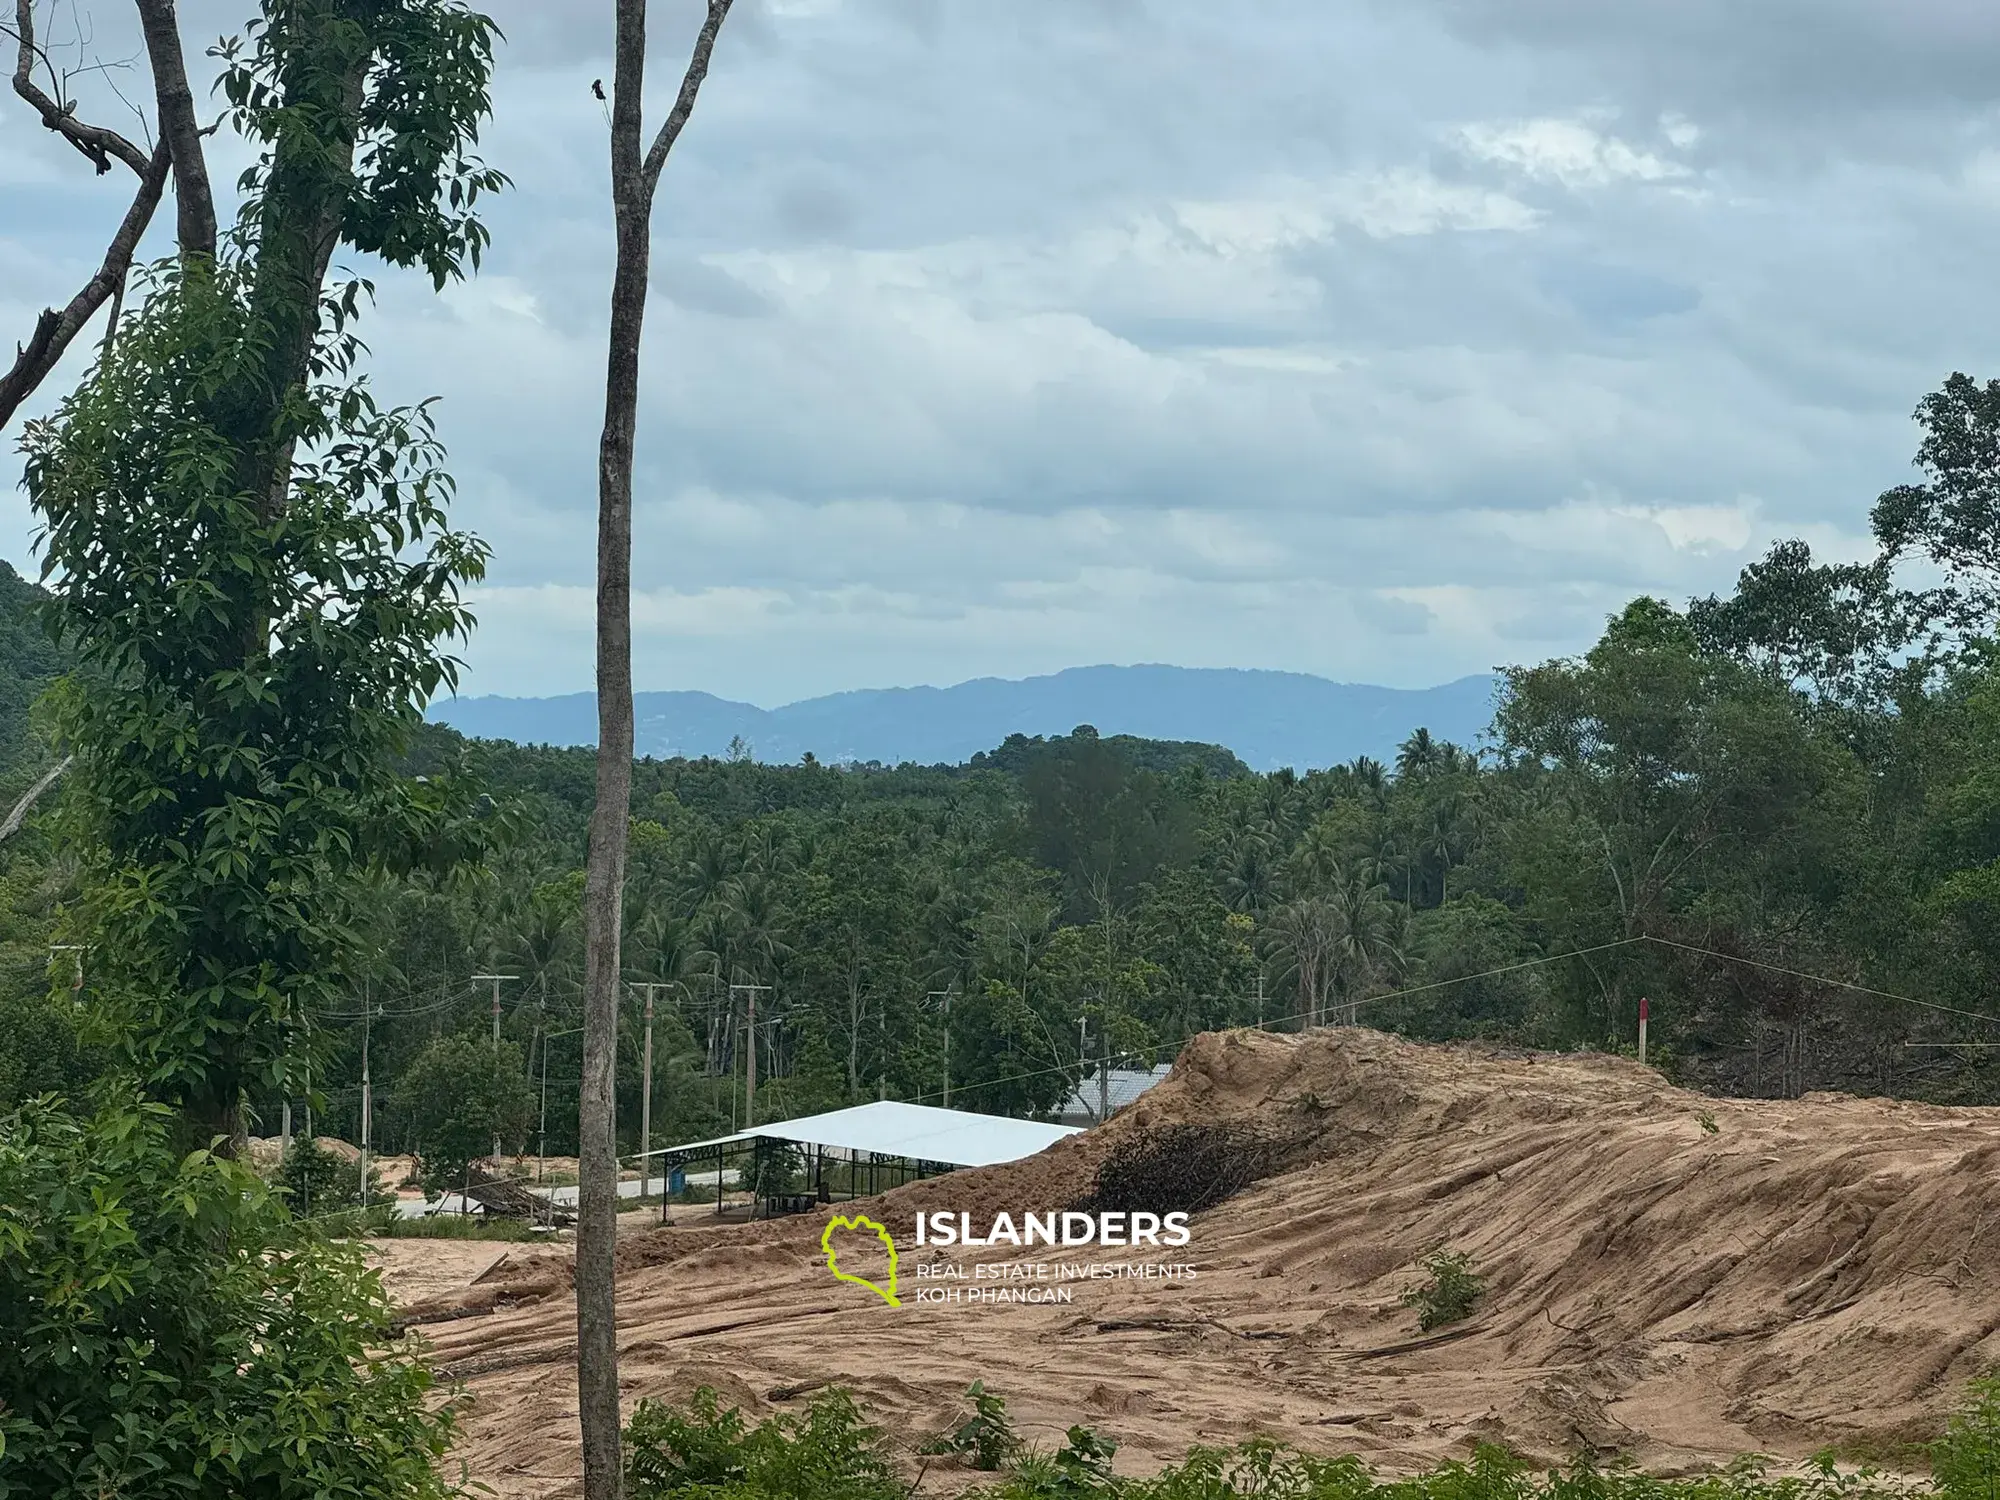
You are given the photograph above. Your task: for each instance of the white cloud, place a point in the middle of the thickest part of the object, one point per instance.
(997, 339)
(1570, 152)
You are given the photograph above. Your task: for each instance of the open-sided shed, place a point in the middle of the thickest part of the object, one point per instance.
(908, 1140)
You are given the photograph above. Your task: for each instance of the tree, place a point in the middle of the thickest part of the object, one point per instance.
(1953, 517)
(171, 1331)
(461, 1094)
(250, 557)
(634, 178)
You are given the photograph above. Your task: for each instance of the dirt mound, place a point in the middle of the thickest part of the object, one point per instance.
(1667, 1276)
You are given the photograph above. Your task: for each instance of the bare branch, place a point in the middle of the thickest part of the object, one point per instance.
(55, 330)
(94, 141)
(15, 818)
(691, 81)
(178, 127)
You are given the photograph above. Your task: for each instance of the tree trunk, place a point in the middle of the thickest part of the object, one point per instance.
(633, 178)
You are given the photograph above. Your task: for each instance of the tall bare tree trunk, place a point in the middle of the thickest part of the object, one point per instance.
(633, 180)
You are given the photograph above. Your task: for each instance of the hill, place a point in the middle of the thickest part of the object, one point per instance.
(1668, 1277)
(1270, 719)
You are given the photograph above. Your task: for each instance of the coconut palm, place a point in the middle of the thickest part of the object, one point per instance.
(1303, 939)
(1417, 756)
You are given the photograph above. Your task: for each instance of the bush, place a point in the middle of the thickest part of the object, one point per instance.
(316, 1182)
(703, 1451)
(987, 1437)
(171, 1332)
(1450, 1293)
(1082, 1466)
(1965, 1462)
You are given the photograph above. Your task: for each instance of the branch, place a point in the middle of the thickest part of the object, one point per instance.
(691, 81)
(54, 330)
(12, 825)
(179, 130)
(94, 141)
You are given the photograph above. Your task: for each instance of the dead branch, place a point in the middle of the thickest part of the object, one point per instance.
(97, 142)
(12, 825)
(55, 330)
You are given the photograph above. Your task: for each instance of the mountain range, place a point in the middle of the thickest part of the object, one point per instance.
(1269, 719)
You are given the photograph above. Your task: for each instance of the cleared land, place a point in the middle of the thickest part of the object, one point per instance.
(1671, 1277)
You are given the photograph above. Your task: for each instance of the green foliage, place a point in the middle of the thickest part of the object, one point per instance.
(986, 1438)
(1082, 1466)
(453, 1227)
(29, 662)
(1449, 1292)
(170, 1332)
(704, 1451)
(1965, 1462)
(462, 1094)
(317, 1182)
(246, 676)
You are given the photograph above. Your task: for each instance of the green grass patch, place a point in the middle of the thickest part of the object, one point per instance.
(458, 1227)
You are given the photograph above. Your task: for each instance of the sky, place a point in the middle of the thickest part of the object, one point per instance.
(1390, 340)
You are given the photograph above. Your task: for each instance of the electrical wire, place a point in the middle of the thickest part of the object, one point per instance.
(1644, 937)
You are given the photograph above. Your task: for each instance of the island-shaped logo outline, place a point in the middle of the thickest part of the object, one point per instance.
(864, 1223)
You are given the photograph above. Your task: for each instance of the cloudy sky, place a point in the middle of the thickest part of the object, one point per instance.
(1384, 339)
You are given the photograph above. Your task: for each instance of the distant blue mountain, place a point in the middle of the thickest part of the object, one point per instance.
(1269, 719)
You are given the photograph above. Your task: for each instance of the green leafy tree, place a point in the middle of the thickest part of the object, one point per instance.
(250, 558)
(461, 1094)
(171, 1332)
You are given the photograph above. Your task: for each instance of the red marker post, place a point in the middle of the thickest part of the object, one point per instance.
(1642, 1029)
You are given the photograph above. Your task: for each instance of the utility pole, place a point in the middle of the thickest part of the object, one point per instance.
(646, 1097)
(497, 980)
(306, 1196)
(944, 996)
(1082, 1055)
(367, 1099)
(285, 1112)
(750, 1055)
(542, 1135)
(76, 987)
(1104, 1088)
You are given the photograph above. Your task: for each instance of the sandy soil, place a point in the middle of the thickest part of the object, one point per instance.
(415, 1270)
(1798, 1275)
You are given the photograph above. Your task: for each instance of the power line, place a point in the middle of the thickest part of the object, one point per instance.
(1644, 937)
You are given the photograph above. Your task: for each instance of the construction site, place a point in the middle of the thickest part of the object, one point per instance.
(1666, 1278)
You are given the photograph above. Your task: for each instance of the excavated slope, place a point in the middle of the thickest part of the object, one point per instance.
(1675, 1278)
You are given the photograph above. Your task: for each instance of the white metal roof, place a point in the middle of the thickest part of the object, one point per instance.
(1123, 1086)
(917, 1131)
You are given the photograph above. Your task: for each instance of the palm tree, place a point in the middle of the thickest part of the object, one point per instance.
(1315, 863)
(1251, 880)
(1417, 756)
(1303, 937)
(1366, 943)
(711, 871)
